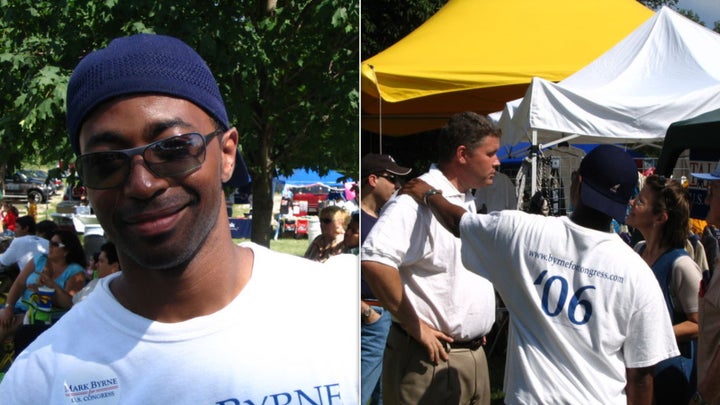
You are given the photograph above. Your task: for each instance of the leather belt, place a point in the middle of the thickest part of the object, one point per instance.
(472, 344)
(372, 303)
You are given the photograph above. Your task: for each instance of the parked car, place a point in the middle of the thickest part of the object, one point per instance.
(54, 184)
(20, 186)
(312, 194)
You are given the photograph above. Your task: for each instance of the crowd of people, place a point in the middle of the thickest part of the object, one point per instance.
(593, 318)
(42, 255)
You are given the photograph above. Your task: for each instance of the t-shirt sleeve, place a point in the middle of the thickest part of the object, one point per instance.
(10, 255)
(685, 283)
(650, 338)
(390, 240)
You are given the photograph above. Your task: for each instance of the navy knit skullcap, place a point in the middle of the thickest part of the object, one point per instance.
(143, 64)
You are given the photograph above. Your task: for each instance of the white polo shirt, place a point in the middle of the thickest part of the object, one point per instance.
(443, 292)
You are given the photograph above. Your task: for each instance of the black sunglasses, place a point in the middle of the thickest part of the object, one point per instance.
(391, 178)
(170, 157)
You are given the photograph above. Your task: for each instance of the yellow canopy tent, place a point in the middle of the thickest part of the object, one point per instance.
(475, 55)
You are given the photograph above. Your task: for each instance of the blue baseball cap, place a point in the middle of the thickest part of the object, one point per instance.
(713, 175)
(609, 177)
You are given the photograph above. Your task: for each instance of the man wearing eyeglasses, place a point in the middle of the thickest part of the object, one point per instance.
(441, 312)
(192, 317)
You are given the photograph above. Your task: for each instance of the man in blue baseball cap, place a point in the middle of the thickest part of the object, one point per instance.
(192, 318)
(588, 320)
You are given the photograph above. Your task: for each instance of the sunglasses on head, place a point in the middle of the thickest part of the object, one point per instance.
(175, 156)
(57, 244)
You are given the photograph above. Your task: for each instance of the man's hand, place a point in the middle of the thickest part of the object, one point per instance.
(433, 340)
(416, 189)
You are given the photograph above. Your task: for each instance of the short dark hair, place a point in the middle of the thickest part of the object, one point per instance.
(45, 228)
(110, 252)
(27, 221)
(467, 128)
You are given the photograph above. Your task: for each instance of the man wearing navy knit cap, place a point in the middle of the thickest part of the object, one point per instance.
(586, 312)
(192, 318)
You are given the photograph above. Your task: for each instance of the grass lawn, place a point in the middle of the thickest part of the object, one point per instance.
(286, 245)
(291, 246)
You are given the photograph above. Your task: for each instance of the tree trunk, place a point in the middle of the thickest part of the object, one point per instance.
(262, 192)
(262, 209)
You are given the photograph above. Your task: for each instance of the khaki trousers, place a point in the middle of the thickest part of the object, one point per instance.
(409, 378)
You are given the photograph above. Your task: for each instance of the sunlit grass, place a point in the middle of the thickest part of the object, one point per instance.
(291, 246)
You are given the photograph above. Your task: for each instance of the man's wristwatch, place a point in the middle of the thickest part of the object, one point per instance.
(698, 399)
(429, 193)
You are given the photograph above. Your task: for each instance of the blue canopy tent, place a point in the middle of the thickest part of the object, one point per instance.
(303, 176)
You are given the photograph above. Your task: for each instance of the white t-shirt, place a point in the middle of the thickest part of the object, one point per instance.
(22, 249)
(583, 306)
(290, 337)
(443, 293)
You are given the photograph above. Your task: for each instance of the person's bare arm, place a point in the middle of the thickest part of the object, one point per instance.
(687, 330)
(447, 213)
(386, 284)
(639, 388)
(63, 294)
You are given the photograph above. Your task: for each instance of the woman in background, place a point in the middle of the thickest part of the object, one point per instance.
(61, 269)
(661, 214)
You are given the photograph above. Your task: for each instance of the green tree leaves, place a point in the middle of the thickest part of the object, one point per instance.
(288, 74)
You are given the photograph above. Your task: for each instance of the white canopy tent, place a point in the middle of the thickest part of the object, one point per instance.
(667, 70)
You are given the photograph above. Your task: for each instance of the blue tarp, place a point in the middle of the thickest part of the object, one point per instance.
(518, 152)
(302, 176)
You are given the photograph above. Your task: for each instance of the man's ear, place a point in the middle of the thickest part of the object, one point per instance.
(372, 180)
(228, 144)
(461, 153)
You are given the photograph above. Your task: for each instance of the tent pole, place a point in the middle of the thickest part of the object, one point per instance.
(377, 86)
(533, 163)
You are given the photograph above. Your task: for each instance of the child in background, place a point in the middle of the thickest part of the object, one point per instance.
(9, 217)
